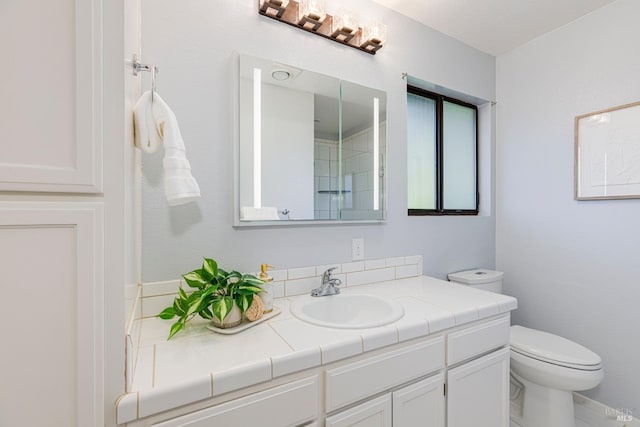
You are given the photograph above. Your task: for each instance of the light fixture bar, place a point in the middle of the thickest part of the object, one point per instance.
(365, 39)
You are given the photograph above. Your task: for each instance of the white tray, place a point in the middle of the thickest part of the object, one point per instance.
(245, 323)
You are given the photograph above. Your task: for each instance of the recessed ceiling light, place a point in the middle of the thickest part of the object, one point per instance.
(280, 75)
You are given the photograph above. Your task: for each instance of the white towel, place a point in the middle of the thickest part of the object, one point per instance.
(156, 122)
(144, 128)
(249, 213)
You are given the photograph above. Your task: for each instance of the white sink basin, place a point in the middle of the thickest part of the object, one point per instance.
(347, 311)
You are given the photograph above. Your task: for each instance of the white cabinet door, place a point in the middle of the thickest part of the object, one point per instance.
(51, 109)
(374, 413)
(420, 404)
(478, 392)
(51, 287)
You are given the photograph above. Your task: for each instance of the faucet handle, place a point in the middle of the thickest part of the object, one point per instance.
(326, 276)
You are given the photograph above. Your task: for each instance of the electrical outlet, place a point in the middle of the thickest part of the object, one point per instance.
(357, 249)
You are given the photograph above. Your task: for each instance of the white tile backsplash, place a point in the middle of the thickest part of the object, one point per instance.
(375, 263)
(371, 276)
(300, 273)
(278, 275)
(160, 288)
(404, 271)
(152, 306)
(395, 261)
(278, 289)
(413, 259)
(296, 281)
(301, 286)
(350, 267)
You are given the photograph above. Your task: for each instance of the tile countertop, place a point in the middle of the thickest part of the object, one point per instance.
(198, 364)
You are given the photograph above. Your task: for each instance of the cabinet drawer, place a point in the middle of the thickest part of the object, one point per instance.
(288, 405)
(356, 381)
(374, 413)
(469, 342)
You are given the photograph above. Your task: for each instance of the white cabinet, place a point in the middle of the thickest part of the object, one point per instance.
(420, 404)
(285, 406)
(478, 392)
(51, 283)
(403, 386)
(476, 340)
(373, 413)
(356, 381)
(51, 118)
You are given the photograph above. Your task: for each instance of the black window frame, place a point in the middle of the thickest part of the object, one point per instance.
(439, 101)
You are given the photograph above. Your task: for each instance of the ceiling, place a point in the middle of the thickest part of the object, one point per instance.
(494, 26)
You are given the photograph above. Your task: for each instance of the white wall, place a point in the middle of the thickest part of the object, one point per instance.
(572, 265)
(192, 43)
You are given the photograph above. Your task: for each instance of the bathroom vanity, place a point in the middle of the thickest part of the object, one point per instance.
(444, 363)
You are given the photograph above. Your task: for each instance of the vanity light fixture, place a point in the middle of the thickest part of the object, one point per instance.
(372, 36)
(311, 16)
(345, 26)
(273, 8)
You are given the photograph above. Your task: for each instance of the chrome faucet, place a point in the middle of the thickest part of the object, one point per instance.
(328, 286)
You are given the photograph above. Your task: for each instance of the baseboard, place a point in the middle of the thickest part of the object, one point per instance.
(596, 414)
(588, 413)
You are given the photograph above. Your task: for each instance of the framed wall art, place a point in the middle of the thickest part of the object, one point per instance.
(607, 154)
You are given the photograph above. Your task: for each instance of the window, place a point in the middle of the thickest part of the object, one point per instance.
(442, 154)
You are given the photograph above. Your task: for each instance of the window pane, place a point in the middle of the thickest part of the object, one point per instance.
(421, 152)
(459, 150)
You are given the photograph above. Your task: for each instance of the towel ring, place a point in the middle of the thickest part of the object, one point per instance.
(154, 72)
(138, 67)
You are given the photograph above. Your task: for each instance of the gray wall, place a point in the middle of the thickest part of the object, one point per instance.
(193, 42)
(572, 265)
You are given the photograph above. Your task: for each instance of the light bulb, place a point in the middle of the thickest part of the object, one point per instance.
(374, 32)
(345, 22)
(312, 9)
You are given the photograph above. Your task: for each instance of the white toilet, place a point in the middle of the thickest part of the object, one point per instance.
(548, 366)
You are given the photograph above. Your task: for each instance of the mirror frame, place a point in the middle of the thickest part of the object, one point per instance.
(237, 223)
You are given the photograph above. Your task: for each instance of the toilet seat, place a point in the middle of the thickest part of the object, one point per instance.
(553, 349)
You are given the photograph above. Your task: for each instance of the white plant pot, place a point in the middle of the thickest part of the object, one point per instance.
(234, 318)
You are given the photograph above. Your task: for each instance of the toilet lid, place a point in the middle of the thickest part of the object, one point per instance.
(553, 349)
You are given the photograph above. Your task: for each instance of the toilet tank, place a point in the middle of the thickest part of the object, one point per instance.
(487, 280)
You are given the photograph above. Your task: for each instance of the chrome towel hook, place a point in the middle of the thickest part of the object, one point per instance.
(137, 67)
(154, 72)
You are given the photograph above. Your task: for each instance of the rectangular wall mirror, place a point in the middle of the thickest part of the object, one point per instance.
(311, 147)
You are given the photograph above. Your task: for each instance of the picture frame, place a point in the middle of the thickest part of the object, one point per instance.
(607, 154)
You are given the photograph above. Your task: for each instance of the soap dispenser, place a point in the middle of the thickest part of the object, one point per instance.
(267, 288)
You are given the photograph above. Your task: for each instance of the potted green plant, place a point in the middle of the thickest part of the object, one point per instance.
(218, 295)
